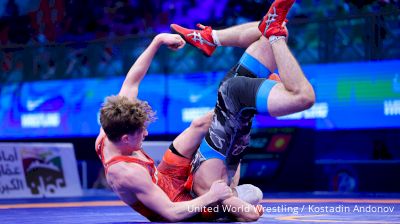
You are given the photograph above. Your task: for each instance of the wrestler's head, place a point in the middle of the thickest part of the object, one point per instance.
(125, 120)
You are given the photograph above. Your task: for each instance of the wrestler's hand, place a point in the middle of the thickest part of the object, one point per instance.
(173, 41)
(220, 190)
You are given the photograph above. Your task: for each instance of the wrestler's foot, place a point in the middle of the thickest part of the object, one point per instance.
(201, 39)
(271, 24)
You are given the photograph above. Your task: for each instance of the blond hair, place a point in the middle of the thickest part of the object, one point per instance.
(119, 116)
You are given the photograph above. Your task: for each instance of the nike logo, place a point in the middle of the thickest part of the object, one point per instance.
(33, 104)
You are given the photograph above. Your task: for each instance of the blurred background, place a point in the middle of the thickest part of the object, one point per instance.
(59, 59)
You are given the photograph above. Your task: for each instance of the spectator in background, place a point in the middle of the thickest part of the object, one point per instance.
(78, 66)
(109, 66)
(6, 64)
(51, 70)
(16, 74)
(12, 9)
(12, 67)
(73, 20)
(380, 151)
(4, 28)
(19, 30)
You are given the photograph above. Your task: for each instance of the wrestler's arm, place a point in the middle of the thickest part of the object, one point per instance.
(130, 87)
(236, 178)
(244, 211)
(138, 182)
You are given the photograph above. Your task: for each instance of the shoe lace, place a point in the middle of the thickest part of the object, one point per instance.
(196, 36)
(270, 18)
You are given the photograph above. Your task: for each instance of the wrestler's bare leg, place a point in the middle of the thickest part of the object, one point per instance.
(295, 92)
(242, 35)
(189, 140)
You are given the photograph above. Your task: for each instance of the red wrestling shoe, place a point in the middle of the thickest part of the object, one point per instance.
(201, 39)
(271, 24)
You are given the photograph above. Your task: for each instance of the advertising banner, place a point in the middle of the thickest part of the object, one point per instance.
(36, 170)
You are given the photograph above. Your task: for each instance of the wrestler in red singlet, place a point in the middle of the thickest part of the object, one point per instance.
(170, 175)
